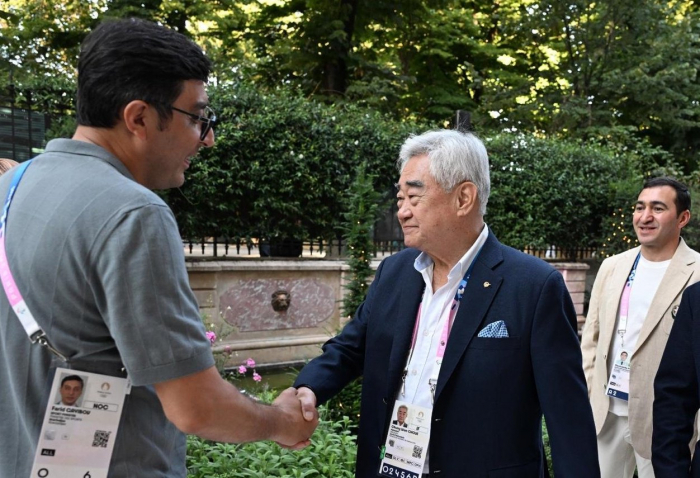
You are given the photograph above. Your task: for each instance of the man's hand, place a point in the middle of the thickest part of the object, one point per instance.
(308, 402)
(296, 431)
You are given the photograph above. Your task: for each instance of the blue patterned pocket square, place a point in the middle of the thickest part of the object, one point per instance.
(495, 330)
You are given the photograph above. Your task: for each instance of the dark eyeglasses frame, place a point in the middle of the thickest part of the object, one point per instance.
(207, 121)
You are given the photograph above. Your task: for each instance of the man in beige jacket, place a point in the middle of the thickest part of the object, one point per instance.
(633, 304)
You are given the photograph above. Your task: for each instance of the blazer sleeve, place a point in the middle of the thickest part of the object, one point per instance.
(676, 395)
(343, 356)
(591, 327)
(561, 386)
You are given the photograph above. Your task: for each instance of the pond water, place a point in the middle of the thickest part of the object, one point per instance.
(274, 379)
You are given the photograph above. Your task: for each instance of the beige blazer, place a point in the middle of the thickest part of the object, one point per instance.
(599, 332)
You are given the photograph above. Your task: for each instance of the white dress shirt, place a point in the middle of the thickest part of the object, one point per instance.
(435, 311)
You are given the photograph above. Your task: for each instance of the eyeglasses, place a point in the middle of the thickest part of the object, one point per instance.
(207, 121)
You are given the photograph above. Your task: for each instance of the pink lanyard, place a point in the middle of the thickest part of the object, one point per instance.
(448, 325)
(447, 329)
(625, 302)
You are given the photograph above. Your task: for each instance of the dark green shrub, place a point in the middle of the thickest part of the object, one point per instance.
(282, 166)
(347, 404)
(547, 449)
(363, 203)
(550, 191)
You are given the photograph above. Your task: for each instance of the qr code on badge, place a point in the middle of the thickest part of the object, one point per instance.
(417, 451)
(101, 439)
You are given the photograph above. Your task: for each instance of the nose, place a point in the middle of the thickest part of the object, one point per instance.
(645, 215)
(404, 212)
(208, 140)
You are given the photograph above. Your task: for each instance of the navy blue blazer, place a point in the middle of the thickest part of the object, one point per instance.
(676, 394)
(491, 393)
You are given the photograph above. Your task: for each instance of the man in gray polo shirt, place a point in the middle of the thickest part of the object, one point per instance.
(99, 261)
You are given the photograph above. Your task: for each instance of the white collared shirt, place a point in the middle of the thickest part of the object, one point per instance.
(435, 311)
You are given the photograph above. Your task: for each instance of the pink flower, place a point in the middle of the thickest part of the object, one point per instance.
(250, 362)
(227, 350)
(242, 369)
(256, 377)
(211, 336)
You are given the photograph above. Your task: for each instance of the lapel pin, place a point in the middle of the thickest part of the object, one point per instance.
(487, 284)
(674, 311)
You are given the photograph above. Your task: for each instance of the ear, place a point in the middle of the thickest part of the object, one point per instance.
(467, 198)
(138, 119)
(683, 219)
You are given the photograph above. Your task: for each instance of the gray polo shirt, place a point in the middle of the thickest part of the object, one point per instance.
(99, 261)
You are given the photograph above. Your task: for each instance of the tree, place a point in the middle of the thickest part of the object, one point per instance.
(609, 69)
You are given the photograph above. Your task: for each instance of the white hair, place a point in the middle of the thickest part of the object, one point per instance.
(454, 157)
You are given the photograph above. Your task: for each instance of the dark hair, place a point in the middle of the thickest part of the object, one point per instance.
(126, 60)
(72, 378)
(682, 193)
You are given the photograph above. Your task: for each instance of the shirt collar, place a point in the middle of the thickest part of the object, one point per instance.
(424, 264)
(83, 148)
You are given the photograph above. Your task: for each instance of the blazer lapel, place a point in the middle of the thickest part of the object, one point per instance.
(475, 303)
(614, 288)
(411, 293)
(673, 283)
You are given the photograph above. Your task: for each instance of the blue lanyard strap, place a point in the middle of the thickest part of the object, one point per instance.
(25, 316)
(16, 178)
(633, 272)
(463, 283)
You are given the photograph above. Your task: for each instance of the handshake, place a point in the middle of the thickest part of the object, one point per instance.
(300, 418)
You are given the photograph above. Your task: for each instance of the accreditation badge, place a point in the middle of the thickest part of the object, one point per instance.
(619, 381)
(80, 425)
(403, 454)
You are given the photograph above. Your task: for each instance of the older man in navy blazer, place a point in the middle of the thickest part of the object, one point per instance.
(476, 334)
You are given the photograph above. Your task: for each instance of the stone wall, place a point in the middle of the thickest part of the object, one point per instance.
(236, 301)
(235, 298)
(575, 274)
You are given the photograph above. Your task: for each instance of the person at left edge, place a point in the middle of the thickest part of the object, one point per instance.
(491, 390)
(677, 395)
(99, 261)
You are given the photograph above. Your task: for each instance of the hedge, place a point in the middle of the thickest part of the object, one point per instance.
(282, 166)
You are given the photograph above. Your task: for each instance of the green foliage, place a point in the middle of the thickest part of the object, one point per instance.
(282, 165)
(347, 404)
(554, 192)
(596, 66)
(617, 230)
(565, 68)
(691, 232)
(362, 213)
(332, 453)
(547, 448)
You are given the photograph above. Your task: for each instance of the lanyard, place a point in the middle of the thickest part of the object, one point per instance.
(447, 329)
(625, 301)
(15, 298)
